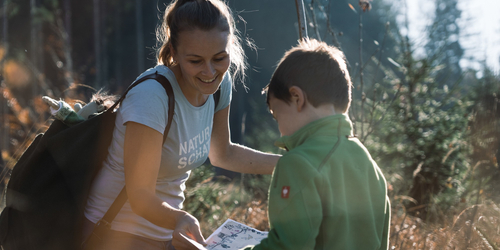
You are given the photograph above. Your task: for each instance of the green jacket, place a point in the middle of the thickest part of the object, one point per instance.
(327, 192)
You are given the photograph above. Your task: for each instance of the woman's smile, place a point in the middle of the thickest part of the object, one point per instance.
(208, 80)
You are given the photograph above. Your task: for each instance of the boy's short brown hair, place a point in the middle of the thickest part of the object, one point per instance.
(318, 69)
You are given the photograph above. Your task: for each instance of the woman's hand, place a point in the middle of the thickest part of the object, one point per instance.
(189, 226)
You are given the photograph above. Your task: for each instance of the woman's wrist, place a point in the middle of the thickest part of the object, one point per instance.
(177, 215)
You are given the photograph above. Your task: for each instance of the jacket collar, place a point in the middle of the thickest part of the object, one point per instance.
(335, 125)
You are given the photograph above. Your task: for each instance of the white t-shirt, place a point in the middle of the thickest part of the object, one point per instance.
(186, 148)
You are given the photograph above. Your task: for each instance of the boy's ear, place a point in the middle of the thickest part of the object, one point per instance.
(298, 97)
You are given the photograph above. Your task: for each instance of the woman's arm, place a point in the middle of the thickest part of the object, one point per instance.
(225, 154)
(142, 156)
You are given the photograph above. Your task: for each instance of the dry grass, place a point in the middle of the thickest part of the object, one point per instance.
(476, 227)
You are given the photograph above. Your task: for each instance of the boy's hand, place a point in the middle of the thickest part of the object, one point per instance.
(186, 231)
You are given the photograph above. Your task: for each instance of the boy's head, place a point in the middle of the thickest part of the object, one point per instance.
(319, 70)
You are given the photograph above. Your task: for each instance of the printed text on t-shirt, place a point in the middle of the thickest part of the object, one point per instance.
(194, 149)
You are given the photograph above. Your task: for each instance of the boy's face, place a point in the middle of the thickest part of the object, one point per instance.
(285, 114)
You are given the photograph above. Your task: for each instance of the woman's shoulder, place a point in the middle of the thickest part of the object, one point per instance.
(225, 95)
(151, 86)
(163, 70)
(149, 91)
(227, 78)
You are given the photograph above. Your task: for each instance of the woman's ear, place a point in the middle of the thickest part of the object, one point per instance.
(172, 51)
(298, 97)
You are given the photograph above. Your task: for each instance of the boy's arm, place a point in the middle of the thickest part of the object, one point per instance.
(295, 210)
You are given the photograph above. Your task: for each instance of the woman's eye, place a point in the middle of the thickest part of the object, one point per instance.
(195, 61)
(219, 59)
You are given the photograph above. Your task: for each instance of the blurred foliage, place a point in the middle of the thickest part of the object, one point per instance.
(484, 176)
(422, 136)
(213, 199)
(443, 42)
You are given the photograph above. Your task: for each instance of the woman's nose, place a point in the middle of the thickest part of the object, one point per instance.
(209, 70)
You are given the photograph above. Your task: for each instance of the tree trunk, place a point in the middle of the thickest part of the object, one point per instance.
(34, 55)
(67, 43)
(97, 44)
(4, 29)
(67, 19)
(3, 111)
(301, 14)
(140, 36)
(118, 48)
(104, 44)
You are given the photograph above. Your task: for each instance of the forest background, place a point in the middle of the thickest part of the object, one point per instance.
(429, 122)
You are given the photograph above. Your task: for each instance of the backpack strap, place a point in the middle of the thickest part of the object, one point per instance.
(122, 197)
(170, 93)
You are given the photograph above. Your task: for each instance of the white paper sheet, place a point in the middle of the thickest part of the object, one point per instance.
(233, 235)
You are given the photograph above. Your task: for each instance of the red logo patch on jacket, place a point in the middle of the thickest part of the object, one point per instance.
(285, 192)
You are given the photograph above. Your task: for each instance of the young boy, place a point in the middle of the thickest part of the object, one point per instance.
(326, 192)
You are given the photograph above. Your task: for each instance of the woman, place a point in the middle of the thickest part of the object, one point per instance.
(199, 44)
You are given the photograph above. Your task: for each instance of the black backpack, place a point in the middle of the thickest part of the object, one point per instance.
(49, 185)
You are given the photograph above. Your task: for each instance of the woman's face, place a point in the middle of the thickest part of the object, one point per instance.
(203, 59)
